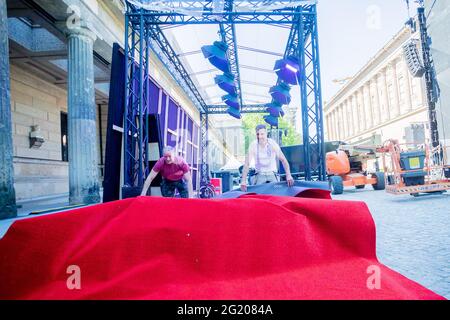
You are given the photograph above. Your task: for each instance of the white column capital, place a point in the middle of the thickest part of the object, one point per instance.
(393, 64)
(78, 29)
(81, 32)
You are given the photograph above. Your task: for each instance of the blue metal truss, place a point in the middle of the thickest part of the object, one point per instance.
(303, 43)
(136, 90)
(204, 167)
(143, 32)
(228, 35)
(234, 18)
(248, 108)
(207, 6)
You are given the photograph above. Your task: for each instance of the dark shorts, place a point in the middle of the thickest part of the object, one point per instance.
(168, 188)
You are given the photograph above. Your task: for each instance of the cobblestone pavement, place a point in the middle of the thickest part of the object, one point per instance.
(413, 234)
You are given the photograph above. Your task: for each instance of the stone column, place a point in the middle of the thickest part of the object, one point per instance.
(356, 123)
(384, 99)
(396, 100)
(335, 124)
(349, 116)
(83, 170)
(376, 101)
(353, 116)
(368, 105)
(7, 194)
(361, 110)
(407, 82)
(341, 122)
(346, 120)
(421, 94)
(330, 127)
(351, 127)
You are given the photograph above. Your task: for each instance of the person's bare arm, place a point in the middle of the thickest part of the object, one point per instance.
(188, 178)
(244, 175)
(245, 170)
(287, 169)
(148, 182)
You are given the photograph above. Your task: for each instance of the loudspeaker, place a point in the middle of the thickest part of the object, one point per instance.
(413, 59)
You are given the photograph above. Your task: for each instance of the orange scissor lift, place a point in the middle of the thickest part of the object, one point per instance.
(414, 169)
(347, 166)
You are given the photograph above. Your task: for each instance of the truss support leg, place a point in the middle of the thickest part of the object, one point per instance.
(432, 95)
(204, 168)
(311, 97)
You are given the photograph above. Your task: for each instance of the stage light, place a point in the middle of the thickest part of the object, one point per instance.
(291, 68)
(231, 101)
(287, 70)
(275, 110)
(234, 113)
(273, 121)
(226, 83)
(217, 55)
(280, 93)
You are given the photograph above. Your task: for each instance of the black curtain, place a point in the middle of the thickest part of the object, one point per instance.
(111, 182)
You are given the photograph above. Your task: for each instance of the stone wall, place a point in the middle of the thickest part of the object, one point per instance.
(41, 171)
(36, 102)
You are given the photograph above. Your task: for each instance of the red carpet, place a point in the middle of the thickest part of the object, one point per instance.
(255, 247)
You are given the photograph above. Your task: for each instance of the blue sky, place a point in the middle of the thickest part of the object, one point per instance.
(351, 32)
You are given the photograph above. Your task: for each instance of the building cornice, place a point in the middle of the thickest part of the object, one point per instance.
(373, 64)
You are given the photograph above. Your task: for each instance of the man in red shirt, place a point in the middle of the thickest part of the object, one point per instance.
(173, 170)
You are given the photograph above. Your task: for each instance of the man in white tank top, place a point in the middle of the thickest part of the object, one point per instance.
(265, 152)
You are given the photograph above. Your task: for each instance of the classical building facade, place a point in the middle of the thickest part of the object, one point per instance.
(55, 73)
(380, 102)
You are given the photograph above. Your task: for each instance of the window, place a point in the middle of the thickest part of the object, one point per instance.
(64, 141)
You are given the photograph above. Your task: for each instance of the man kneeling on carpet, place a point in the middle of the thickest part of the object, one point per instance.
(265, 152)
(175, 175)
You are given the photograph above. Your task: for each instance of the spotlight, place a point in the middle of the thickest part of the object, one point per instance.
(226, 83)
(231, 101)
(280, 93)
(217, 55)
(273, 121)
(287, 70)
(275, 110)
(291, 68)
(234, 113)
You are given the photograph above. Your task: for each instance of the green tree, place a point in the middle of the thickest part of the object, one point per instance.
(251, 120)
